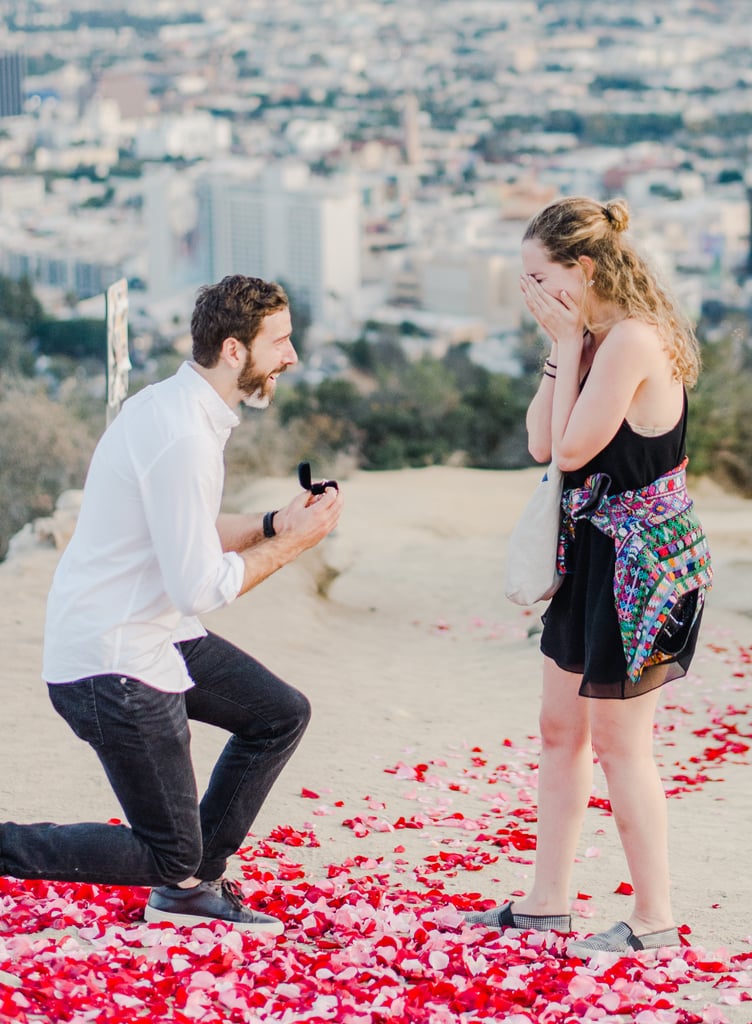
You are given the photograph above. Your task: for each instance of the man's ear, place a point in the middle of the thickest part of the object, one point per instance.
(233, 352)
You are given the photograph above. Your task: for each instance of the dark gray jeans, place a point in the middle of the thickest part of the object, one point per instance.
(142, 737)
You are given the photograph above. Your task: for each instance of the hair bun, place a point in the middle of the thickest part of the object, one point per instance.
(617, 214)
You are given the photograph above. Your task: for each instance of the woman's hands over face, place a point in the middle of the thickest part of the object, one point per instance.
(559, 315)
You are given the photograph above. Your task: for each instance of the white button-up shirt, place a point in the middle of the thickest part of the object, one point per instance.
(145, 558)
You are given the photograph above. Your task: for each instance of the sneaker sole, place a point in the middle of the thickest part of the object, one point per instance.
(153, 916)
(650, 953)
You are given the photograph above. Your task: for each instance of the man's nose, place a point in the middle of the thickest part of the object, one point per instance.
(290, 356)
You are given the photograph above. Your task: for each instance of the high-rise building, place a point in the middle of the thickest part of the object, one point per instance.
(170, 217)
(284, 224)
(12, 74)
(411, 130)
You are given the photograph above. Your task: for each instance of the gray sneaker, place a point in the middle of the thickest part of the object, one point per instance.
(502, 917)
(209, 901)
(621, 939)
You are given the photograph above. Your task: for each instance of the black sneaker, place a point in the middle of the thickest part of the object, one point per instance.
(208, 901)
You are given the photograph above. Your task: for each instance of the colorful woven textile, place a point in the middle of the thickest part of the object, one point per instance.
(661, 554)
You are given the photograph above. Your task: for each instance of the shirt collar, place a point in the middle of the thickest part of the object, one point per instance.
(223, 419)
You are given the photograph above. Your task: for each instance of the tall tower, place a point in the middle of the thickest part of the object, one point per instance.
(172, 231)
(12, 74)
(286, 225)
(411, 130)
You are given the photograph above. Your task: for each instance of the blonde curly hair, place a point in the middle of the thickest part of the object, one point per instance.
(577, 226)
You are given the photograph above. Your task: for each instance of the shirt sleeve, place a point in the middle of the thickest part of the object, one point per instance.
(181, 492)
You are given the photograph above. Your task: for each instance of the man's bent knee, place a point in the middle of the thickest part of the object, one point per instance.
(293, 713)
(301, 714)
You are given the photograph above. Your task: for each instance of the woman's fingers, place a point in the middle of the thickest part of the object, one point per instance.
(556, 314)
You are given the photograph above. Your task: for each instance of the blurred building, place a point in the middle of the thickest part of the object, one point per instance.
(192, 136)
(287, 225)
(173, 243)
(19, 193)
(413, 153)
(52, 266)
(12, 74)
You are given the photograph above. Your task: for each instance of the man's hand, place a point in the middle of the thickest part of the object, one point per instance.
(300, 525)
(309, 517)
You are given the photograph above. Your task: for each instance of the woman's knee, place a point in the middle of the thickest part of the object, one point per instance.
(619, 758)
(606, 747)
(621, 735)
(564, 717)
(563, 732)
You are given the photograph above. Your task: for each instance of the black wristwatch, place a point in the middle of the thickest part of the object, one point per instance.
(269, 530)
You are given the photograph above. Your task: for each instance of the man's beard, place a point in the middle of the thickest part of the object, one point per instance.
(258, 400)
(257, 388)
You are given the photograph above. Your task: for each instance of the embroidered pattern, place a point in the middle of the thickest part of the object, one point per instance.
(661, 554)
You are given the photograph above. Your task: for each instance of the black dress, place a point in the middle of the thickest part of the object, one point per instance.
(581, 629)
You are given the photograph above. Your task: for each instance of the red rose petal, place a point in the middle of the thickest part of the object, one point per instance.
(363, 947)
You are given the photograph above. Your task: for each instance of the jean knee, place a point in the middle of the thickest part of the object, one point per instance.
(299, 712)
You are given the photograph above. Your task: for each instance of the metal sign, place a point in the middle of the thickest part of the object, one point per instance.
(118, 360)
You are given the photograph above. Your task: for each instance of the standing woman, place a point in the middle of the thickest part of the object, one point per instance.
(611, 408)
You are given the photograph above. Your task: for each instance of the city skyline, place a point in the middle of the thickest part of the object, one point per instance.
(449, 123)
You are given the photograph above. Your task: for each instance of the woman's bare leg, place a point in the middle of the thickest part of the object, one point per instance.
(623, 741)
(564, 783)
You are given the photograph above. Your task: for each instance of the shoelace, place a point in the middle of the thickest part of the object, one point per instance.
(229, 891)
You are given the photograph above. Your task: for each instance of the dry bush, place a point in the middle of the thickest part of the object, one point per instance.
(44, 450)
(261, 447)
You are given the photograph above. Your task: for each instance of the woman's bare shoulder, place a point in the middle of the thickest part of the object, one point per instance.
(631, 328)
(637, 347)
(634, 337)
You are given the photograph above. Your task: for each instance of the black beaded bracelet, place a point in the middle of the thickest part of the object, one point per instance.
(551, 375)
(269, 530)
